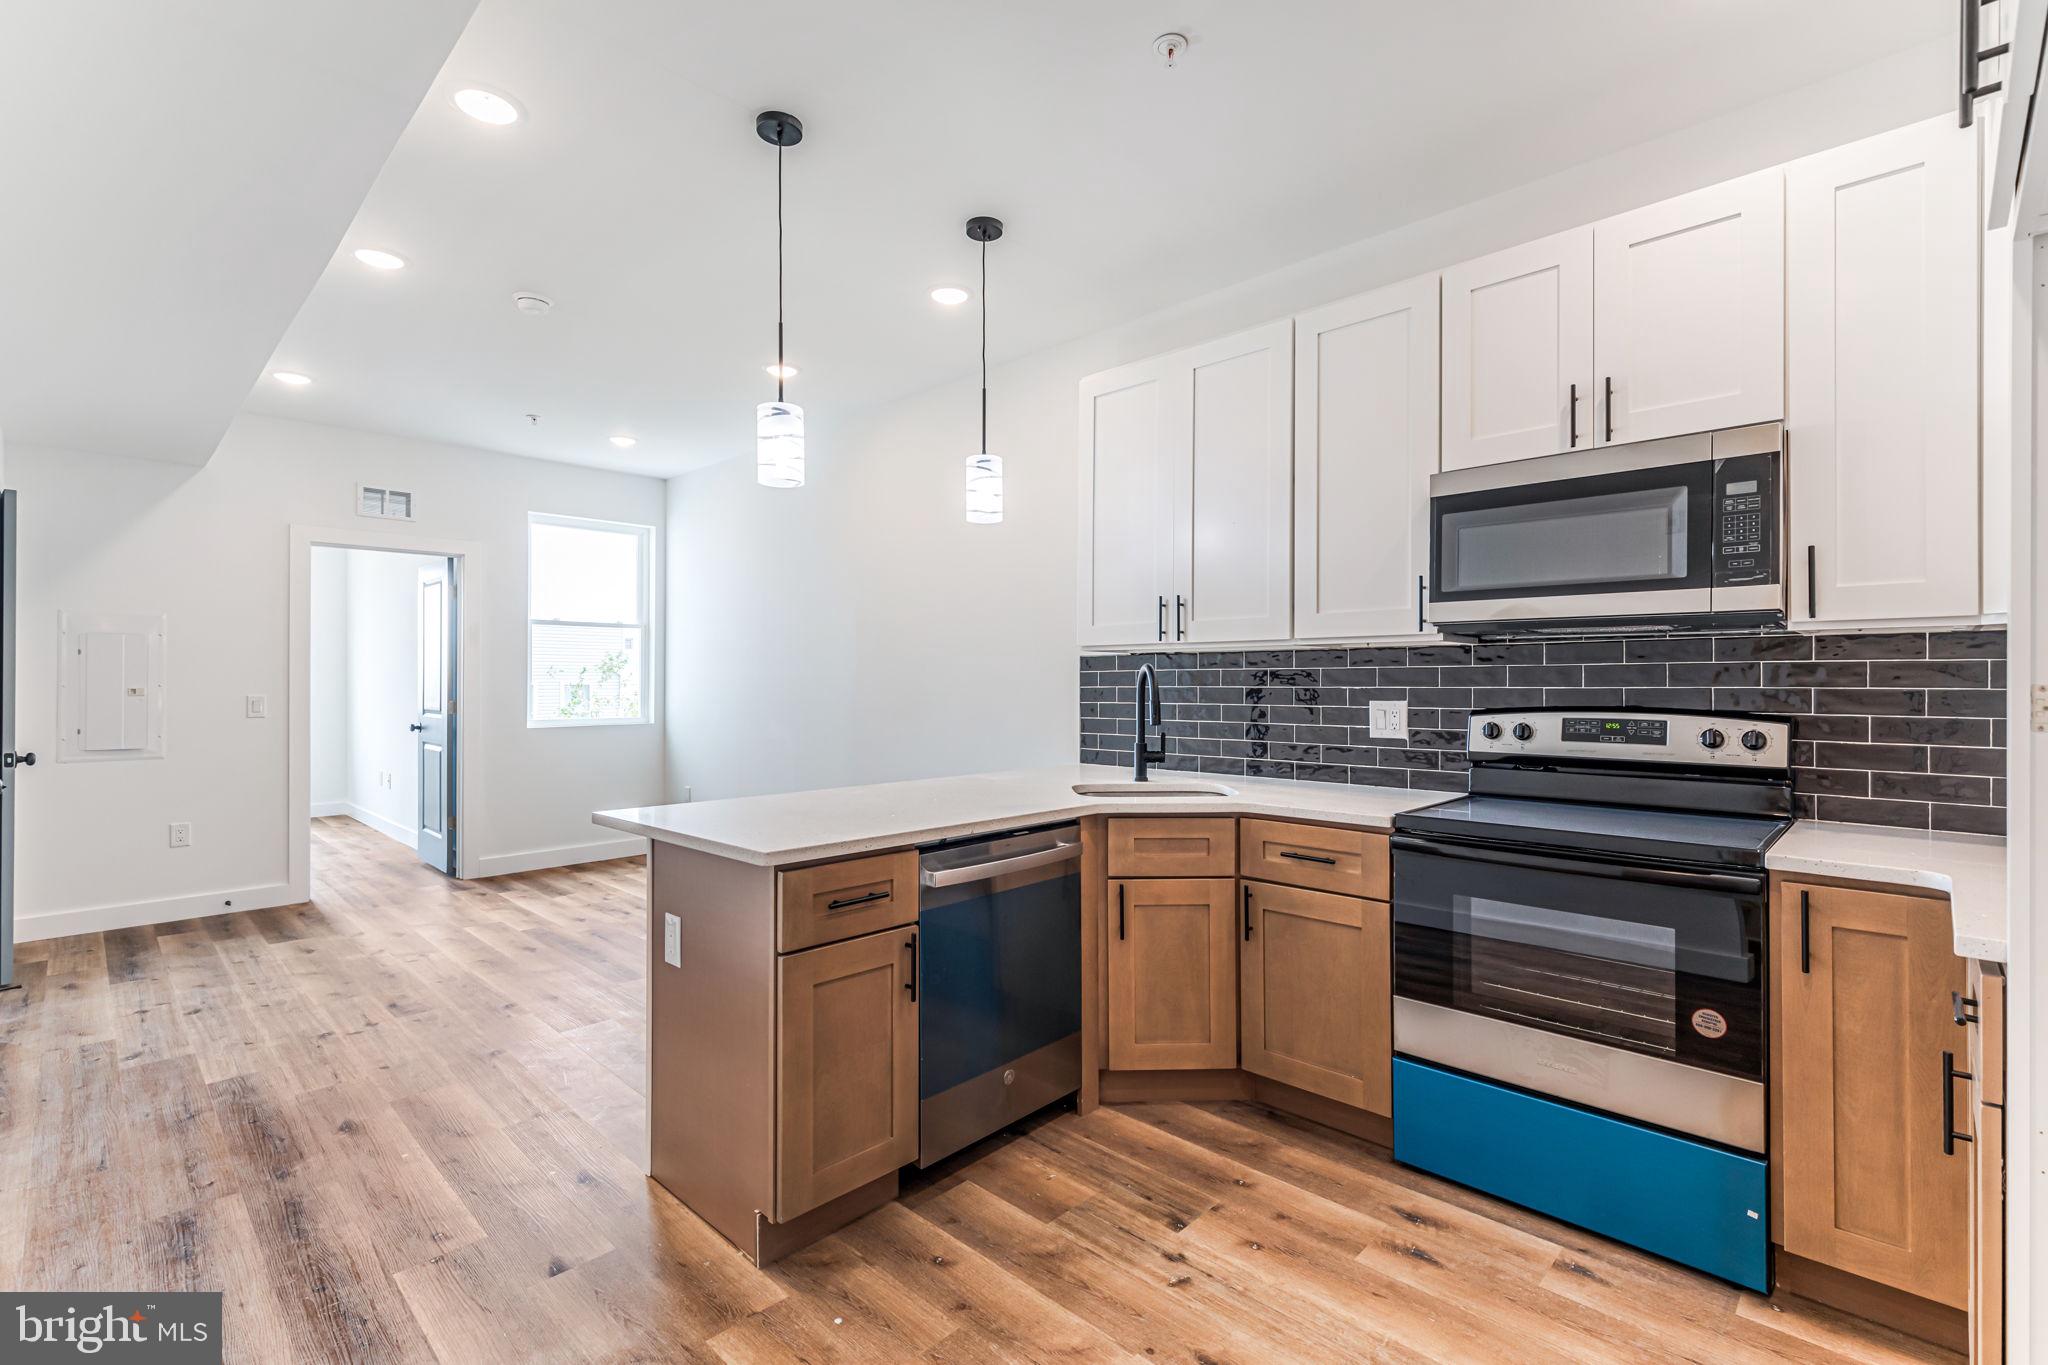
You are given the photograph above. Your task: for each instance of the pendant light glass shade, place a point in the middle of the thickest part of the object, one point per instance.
(779, 445)
(984, 488)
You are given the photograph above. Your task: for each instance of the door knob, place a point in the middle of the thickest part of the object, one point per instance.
(415, 727)
(17, 760)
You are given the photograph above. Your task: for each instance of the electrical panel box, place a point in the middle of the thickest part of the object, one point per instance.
(110, 694)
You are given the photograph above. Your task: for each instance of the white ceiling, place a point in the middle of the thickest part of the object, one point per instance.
(636, 195)
(173, 177)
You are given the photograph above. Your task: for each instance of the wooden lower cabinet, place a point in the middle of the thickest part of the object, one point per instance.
(1317, 989)
(1861, 1017)
(846, 1077)
(1172, 974)
(1987, 1182)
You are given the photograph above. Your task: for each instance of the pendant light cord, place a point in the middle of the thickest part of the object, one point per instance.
(781, 364)
(984, 347)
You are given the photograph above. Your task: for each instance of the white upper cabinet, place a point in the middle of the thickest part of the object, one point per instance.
(1689, 312)
(1882, 323)
(1229, 444)
(1518, 352)
(1365, 444)
(1126, 532)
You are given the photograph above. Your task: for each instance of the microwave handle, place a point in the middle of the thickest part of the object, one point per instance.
(1657, 876)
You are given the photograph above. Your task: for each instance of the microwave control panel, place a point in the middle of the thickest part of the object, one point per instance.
(1746, 528)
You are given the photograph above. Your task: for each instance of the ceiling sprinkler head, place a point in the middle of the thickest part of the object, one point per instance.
(533, 305)
(1169, 47)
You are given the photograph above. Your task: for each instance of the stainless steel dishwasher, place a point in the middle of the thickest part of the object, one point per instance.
(999, 989)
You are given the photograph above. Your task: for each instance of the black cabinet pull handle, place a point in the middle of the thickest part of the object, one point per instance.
(1812, 591)
(1119, 909)
(845, 901)
(1180, 617)
(1949, 1076)
(1609, 382)
(1309, 858)
(1418, 604)
(911, 983)
(1805, 933)
(1962, 1005)
(1162, 618)
(1247, 914)
(416, 727)
(1574, 410)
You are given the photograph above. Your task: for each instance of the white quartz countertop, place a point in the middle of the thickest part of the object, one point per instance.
(811, 826)
(1970, 868)
(802, 827)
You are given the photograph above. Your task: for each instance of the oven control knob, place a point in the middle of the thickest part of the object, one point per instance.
(1524, 730)
(1491, 729)
(1710, 738)
(1753, 740)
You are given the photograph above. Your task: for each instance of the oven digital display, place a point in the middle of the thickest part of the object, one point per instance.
(1614, 730)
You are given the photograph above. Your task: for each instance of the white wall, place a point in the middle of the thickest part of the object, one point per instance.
(858, 630)
(210, 547)
(329, 682)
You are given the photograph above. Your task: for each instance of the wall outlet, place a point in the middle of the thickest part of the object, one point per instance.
(181, 834)
(672, 940)
(1387, 719)
(255, 707)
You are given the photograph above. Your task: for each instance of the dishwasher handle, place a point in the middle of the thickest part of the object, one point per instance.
(1022, 862)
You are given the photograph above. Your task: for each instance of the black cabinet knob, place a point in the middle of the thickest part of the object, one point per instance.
(1524, 730)
(1754, 740)
(415, 727)
(1710, 738)
(1491, 729)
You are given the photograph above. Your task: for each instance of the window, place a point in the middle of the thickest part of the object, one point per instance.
(589, 585)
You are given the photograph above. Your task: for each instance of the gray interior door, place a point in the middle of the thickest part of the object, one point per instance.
(435, 728)
(11, 763)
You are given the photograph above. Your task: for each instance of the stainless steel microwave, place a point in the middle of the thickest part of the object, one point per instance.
(1680, 534)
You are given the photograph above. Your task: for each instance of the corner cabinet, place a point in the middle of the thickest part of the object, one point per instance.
(1882, 328)
(1318, 993)
(1867, 1180)
(1172, 974)
(1365, 444)
(1186, 501)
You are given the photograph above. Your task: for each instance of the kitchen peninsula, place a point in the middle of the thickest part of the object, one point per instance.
(783, 1011)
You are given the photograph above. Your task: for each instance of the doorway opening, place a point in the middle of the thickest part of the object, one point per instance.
(383, 633)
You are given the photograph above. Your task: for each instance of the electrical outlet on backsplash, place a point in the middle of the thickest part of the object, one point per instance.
(1903, 729)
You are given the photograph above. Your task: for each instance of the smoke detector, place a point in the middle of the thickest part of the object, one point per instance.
(1169, 48)
(533, 305)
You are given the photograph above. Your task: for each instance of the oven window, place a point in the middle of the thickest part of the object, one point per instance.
(1670, 971)
(1639, 536)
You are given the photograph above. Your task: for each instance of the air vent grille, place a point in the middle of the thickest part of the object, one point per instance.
(394, 503)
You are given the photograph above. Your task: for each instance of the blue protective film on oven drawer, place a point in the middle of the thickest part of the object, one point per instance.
(1698, 1204)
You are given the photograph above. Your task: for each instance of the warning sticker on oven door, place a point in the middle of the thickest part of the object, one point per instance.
(1709, 1023)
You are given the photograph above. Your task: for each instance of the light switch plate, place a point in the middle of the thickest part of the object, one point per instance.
(255, 707)
(672, 940)
(1387, 719)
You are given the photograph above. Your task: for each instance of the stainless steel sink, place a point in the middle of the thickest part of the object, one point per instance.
(1158, 787)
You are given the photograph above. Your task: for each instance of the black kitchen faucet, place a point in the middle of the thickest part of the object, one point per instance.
(1142, 756)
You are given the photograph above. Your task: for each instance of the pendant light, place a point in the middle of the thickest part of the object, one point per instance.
(984, 471)
(779, 426)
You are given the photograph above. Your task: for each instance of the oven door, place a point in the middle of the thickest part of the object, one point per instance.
(1635, 990)
(1584, 536)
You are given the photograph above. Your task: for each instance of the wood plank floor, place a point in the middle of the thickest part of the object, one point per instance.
(401, 1123)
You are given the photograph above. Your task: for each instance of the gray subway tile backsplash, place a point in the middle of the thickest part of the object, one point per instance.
(1904, 728)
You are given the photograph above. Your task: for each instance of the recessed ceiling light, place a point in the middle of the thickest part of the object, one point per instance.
(780, 371)
(487, 106)
(379, 260)
(950, 295)
(291, 378)
(625, 442)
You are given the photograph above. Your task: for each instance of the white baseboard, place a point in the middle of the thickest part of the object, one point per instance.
(339, 806)
(94, 919)
(391, 829)
(535, 859)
